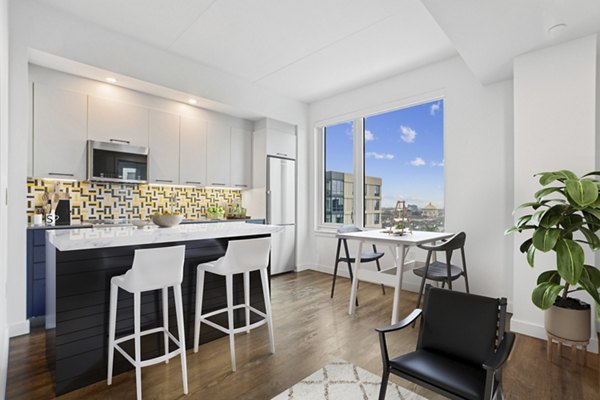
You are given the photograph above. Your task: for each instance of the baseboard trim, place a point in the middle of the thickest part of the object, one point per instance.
(4, 363)
(538, 331)
(18, 328)
(327, 269)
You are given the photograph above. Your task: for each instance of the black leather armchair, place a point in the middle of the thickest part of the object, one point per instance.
(461, 349)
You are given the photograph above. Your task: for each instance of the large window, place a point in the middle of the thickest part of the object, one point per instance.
(401, 158)
(339, 173)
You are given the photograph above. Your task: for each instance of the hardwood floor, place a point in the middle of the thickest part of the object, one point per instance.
(311, 330)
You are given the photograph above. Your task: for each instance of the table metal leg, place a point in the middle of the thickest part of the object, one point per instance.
(353, 293)
(400, 252)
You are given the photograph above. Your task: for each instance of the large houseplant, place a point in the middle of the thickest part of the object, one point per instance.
(564, 218)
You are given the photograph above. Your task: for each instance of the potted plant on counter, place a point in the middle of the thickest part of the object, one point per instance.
(564, 218)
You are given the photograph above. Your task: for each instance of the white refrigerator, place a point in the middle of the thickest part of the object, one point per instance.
(281, 211)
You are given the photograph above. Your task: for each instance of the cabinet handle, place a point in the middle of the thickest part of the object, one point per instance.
(194, 182)
(59, 174)
(120, 141)
(164, 180)
(237, 185)
(282, 154)
(218, 184)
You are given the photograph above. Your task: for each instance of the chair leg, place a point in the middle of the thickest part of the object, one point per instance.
(421, 292)
(379, 270)
(427, 263)
(181, 335)
(229, 286)
(423, 279)
(464, 262)
(443, 284)
(448, 264)
(198, 314)
(265, 286)
(165, 308)
(384, 384)
(247, 299)
(112, 326)
(137, 340)
(335, 268)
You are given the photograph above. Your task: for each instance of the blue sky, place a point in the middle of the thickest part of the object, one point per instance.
(403, 147)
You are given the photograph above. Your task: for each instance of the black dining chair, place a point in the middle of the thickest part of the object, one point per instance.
(443, 272)
(461, 349)
(350, 259)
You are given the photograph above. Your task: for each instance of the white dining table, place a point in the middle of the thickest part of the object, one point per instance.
(399, 246)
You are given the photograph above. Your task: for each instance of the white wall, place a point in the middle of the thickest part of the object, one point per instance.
(3, 182)
(478, 164)
(555, 93)
(35, 26)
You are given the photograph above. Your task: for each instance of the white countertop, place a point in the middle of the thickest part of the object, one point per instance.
(81, 239)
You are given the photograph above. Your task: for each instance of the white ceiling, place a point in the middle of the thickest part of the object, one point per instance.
(307, 49)
(489, 34)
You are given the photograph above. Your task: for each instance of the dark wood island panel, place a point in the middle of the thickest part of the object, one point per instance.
(77, 346)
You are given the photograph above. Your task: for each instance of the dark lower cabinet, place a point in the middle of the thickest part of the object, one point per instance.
(36, 272)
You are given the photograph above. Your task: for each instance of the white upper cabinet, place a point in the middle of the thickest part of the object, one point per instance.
(241, 158)
(163, 140)
(117, 122)
(218, 144)
(59, 133)
(192, 151)
(280, 144)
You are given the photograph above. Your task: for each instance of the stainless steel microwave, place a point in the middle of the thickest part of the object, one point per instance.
(117, 162)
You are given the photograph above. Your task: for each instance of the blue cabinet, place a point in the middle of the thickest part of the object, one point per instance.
(36, 272)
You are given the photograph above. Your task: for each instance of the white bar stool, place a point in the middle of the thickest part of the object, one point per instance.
(241, 257)
(152, 269)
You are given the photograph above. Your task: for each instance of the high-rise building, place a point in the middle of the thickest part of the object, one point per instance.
(339, 203)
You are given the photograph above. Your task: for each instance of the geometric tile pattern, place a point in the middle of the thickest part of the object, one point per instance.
(93, 200)
(341, 380)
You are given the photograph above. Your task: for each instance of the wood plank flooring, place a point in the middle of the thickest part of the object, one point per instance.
(311, 330)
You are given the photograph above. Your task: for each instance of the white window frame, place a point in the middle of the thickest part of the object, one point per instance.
(358, 119)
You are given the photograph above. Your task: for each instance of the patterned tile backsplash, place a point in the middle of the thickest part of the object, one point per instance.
(92, 201)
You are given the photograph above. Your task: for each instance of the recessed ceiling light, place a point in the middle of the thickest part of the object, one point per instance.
(110, 79)
(193, 101)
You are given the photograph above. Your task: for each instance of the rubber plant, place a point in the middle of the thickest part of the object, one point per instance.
(564, 218)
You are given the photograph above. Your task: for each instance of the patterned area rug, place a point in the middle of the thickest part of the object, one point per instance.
(341, 380)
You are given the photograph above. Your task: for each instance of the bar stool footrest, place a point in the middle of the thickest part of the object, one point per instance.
(204, 319)
(151, 361)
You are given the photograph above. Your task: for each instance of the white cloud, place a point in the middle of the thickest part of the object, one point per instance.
(408, 134)
(435, 107)
(379, 156)
(417, 162)
(369, 136)
(437, 164)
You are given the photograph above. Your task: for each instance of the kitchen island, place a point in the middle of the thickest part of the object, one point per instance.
(79, 266)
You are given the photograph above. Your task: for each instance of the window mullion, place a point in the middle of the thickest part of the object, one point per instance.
(359, 167)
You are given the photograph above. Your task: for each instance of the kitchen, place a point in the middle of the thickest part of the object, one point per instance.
(106, 158)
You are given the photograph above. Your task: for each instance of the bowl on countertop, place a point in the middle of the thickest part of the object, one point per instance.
(167, 220)
(140, 223)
